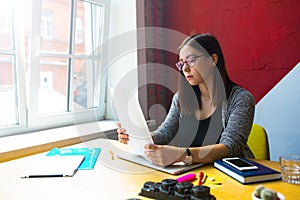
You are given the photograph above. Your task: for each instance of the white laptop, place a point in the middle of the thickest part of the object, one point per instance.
(174, 169)
(54, 166)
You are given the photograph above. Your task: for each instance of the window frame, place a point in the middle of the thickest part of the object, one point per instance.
(18, 71)
(29, 119)
(64, 118)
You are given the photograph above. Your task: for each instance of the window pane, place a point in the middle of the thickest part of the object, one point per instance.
(55, 25)
(89, 27)
(85, 72)
(53, 85)
(47, 24)
(5, 24)
(79, 85)
(8, 104)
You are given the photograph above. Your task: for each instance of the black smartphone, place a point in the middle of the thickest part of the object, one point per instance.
(240, 164)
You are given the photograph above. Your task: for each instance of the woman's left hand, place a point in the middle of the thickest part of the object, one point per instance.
(164, 155)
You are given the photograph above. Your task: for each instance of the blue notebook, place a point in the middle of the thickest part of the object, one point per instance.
(263, 173)
(90, 155)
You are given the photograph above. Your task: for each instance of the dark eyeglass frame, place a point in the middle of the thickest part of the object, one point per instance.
(190, 61)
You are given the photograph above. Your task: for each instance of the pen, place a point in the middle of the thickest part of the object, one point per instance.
(43, 176)
(201, 174)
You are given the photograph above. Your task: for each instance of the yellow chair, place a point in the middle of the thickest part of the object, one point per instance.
(258, 142)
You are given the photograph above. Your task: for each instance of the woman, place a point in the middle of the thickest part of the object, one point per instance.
(208, 97)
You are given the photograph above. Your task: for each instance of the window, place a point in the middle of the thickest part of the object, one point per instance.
(54, 55)
(47, 24)
(79, 31)
(11, 92)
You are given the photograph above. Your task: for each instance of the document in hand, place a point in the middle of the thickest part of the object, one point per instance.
(263, 173)
(132, 119)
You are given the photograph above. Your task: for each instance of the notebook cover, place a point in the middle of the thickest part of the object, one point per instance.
(263, 173)
(91, 155)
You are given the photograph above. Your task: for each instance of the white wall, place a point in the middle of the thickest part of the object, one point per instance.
(279, 113)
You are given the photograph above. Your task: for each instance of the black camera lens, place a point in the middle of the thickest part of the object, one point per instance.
(167, 184)
(149, 184)
(200, 191)
(183, 187)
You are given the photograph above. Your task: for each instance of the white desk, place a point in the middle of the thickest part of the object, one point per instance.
(112, 179)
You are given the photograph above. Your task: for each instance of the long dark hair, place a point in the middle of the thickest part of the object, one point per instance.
(209, 45)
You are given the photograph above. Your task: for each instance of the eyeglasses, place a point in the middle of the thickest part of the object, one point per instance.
(190, 61)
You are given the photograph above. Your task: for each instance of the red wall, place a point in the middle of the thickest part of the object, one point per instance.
(260, 38)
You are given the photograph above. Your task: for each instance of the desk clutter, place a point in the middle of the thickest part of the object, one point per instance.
(63, 162)
(171, 189)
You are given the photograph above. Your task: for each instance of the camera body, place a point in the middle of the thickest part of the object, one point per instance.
(171, 189)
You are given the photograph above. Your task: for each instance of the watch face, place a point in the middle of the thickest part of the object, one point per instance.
(188, 160)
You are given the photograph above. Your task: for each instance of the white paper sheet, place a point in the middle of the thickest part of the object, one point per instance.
(132, 119)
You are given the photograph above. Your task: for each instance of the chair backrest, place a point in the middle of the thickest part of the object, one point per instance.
(258, 142)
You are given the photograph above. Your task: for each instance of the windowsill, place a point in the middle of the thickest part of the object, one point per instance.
(17, 146)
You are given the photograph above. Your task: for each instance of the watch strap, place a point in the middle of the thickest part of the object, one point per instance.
(188, 152)
(188, 160)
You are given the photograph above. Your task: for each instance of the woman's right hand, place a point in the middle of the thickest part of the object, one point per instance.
(122, 135)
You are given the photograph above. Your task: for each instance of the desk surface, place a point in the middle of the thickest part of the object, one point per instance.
(113, 178)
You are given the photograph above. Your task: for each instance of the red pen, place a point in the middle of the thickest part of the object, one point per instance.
(201, 174)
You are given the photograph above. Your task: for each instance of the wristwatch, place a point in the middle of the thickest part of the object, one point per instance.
(188, 160)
